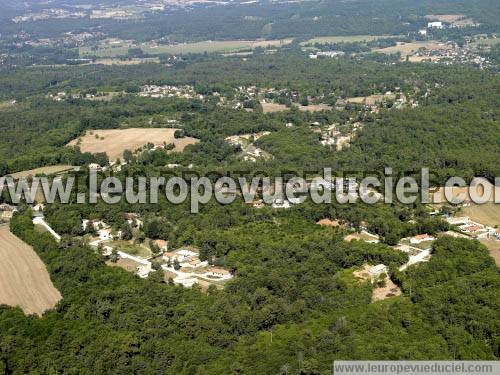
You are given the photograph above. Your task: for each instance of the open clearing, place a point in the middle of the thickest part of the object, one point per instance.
(273, 107)
(114, 49)
(24, 280)
(407, 49)
(53, 169)
(346, 39)
(314, 107)
(114, 141)
(488, 213)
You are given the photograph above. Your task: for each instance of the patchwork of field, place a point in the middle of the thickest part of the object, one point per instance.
(24, 280)
(114, 141)
(53, 169)
(113, 49)
(407, 49)
(346, 39)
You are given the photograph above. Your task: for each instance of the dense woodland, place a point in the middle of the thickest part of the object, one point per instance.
(293, 284)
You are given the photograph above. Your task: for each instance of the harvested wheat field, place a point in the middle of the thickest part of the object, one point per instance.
(114, 141)
(273, 107)
(49, 170)
(24, 280)
(410, 48)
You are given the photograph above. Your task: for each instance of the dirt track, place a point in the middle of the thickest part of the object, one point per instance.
(24, 280)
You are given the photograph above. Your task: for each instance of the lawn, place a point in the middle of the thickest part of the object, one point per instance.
(131, 248)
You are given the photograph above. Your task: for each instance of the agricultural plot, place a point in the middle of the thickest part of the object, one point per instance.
(273, 107)
(114, 49)
(114, 141)
(488, 213)
(408, 49)
(315, 107)
(345, 39)
(24, 280)
(50, 170)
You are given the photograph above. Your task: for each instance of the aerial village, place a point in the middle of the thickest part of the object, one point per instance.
(183, 266)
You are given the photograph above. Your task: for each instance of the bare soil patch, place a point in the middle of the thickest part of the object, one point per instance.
(128, 265)
(488, 213)
(329, 223)
(273, 107)
(53, 169)
(389, 290)
(114, 141)
(407, 49)
(24, 280)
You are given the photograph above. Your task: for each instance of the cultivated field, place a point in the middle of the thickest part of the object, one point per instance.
(488, 213)
(24, 280)
(114, 141)
(273, 107)
(134, 61)
(407, 49)
(314, 108)
(53, 169)
(346, 39)
(121, 49)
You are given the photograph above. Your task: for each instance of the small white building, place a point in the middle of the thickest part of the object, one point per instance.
(378, 270)
(435, 25)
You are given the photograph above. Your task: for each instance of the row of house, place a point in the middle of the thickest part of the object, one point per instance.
(474, 229)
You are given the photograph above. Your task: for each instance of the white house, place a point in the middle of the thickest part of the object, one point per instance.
(435, 25)
(378, 270)
(104, 234)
